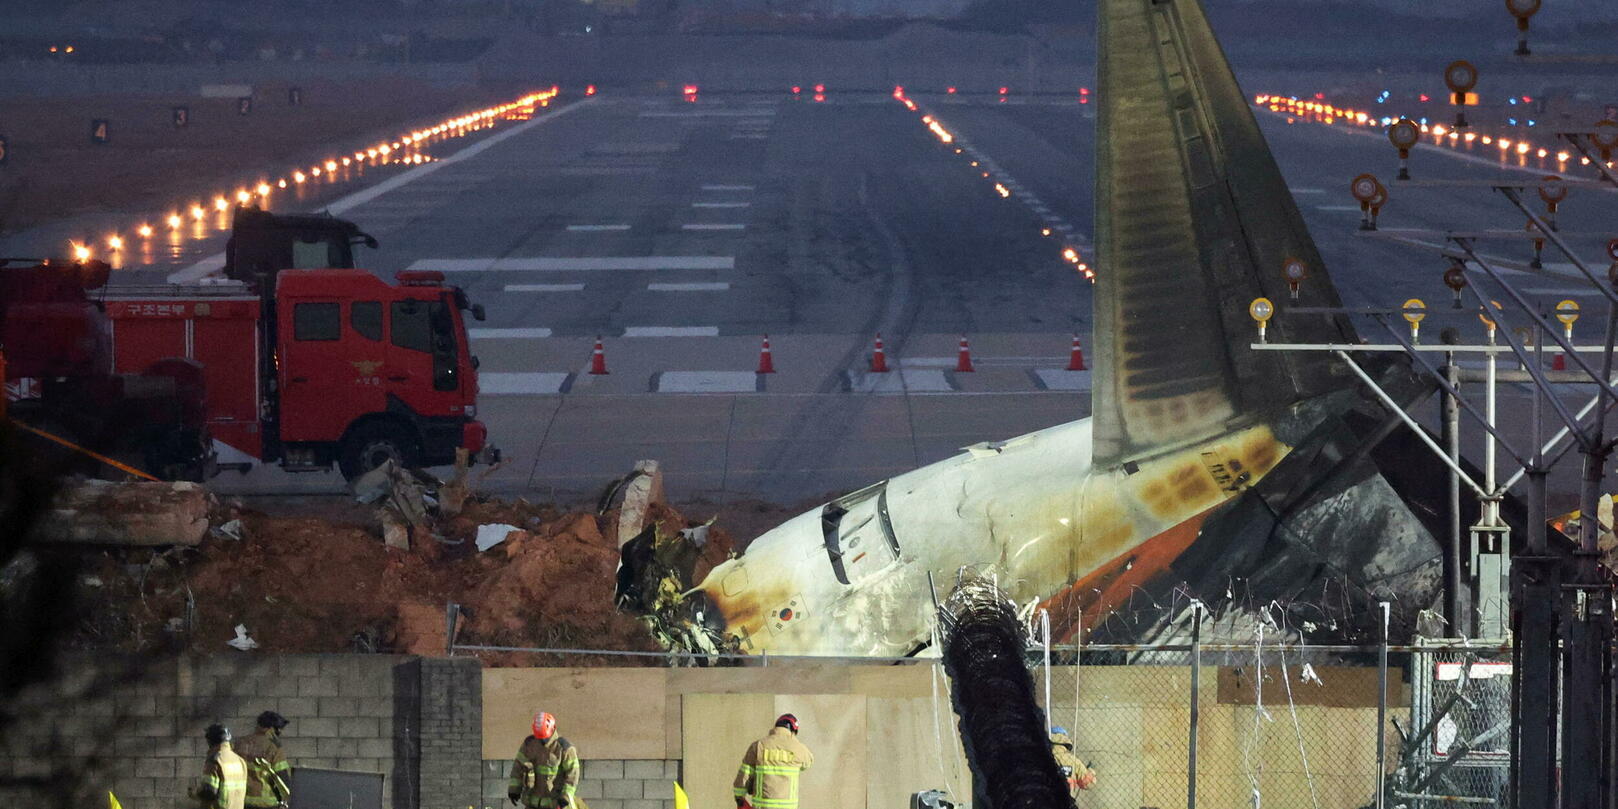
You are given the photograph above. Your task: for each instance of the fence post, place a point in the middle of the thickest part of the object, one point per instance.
(1196, 697)
(1045, 630)
(1382, 710)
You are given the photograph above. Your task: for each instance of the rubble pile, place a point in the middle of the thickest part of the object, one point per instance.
(377, 576)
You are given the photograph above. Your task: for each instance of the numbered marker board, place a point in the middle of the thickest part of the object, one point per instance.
(100, 131)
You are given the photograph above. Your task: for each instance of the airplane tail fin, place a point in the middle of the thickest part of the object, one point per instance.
(1193, 221)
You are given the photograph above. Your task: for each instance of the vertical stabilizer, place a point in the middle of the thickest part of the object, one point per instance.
(1193, 221)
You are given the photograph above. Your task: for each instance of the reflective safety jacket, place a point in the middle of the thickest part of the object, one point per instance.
(545, 773)
(262, 789)
(224, 780)
(1077, 774)
(768, 777)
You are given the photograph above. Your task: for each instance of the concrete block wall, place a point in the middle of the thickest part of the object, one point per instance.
(141, 737)
(451, 732)
(605, 783)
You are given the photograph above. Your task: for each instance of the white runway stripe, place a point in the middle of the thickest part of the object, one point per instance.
(721, 204)
(1337, 208)
(672, 331)
(581, 264)
(727, 188)
(1307, 190)
(497, 384)
(707, 382)
(544, 287)
(713, 286)
(713, 227)
(508, 334)
(596, 228)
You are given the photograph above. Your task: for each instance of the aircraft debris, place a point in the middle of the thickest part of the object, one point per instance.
(103, 512)
(241, 641)
(493, 534)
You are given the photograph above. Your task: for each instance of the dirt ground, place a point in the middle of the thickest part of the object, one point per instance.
(313, 575)
(53, 169)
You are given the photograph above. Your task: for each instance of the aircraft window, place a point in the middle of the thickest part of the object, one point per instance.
(859, 536)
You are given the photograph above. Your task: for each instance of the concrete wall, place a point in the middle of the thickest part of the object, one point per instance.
(443, 731)
(606, 784)
(141, 737)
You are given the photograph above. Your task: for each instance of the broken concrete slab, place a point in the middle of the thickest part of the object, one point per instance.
(100, 512)
(643, 490)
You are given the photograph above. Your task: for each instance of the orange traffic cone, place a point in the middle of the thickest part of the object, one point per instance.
(1559, 362)
(963, 361)
(879, 358)
(766, 362)
(1075, 360)
(598, 359)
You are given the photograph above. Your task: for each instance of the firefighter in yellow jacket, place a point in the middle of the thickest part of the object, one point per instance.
(768, 778)
(224, 776)
(545, 774)
(1079, 776)
(268, 772)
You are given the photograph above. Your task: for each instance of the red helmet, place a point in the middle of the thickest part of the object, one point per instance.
(787, 721)
(544, 726)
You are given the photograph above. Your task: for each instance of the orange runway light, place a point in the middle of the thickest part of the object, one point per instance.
(174, 221)
(145, 231)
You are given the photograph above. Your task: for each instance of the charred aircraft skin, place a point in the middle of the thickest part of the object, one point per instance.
(1254, 505)
(1211, 469)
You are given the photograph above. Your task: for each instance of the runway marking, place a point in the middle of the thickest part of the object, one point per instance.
(1571, 293)
(671, 331)
(1354, 208)
(727, 188)
(595, 228)
(507, 384)
(581, 264)
(544, 287)
(715, 286)
(707, 382)
(721, 204)
(1061, 379)
(1307, 190)
(508, 334)
(216, 262)
(713, 227)
(709, 114)
(749, 137)
(904, 380)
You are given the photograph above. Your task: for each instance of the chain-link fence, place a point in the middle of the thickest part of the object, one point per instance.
(1280, 724)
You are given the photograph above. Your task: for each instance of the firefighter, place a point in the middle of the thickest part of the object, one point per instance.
(1078, 775)
(268, 772)
(224, 776)
(545, 774)
(768, 778)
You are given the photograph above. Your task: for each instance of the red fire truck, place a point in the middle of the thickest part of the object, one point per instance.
(294, 358)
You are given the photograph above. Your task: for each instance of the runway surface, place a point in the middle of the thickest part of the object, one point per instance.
(683, 233)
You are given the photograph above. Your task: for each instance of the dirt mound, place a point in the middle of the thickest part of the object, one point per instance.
(328, 584)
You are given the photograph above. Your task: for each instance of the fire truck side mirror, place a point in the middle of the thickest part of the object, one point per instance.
(477, 312)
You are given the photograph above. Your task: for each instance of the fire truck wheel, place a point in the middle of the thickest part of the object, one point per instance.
(368, 445)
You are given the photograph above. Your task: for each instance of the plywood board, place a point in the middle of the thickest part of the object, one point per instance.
(898, 681)
(715, 731)
(606, 713)
(908, 749)
(761, 680)
(833, 727)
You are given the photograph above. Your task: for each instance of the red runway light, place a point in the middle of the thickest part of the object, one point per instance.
(1004, 90)
(951, 91)
(820, 88)
(590, 90)
(796, 89)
